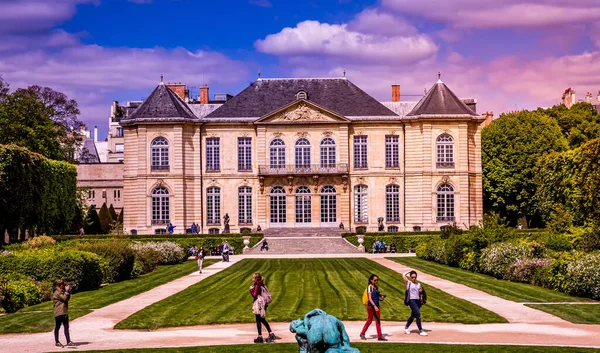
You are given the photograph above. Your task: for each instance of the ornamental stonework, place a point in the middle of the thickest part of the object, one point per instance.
(301, 112)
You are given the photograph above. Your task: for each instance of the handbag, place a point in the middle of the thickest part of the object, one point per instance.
(406, 300)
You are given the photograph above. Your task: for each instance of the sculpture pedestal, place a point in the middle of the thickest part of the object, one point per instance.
(246, 243)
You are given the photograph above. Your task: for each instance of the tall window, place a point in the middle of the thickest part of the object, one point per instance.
(120, 132)
(445, 151)
(244, 154)
(159, 149)
(328, 206)
(160, 205)
(328, 153)
(392, 203)
(361, 204)
(445, 203)
(213, 205)
(245, 205)
(278, 206)
(392, 159)
(360, 152)
(213, 154)
(277, 154)
(302, 153)
(303, 205)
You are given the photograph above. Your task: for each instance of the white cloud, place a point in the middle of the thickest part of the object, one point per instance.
(315, 38)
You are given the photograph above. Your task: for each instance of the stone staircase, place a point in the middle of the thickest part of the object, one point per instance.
(305, 241)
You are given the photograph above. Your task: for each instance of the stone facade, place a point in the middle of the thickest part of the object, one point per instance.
(219, 165)
(103, 183)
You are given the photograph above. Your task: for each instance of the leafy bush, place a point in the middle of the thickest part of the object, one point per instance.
(583, 276)
(470, 261)
(83, 269)
(526, 270)
(37, 242)
(590, 241)
(449, 230)
(18, 291)
(119, 255)
(497, 258)
(146, 260)
(403, 242)
(555, 241)
(168, 252)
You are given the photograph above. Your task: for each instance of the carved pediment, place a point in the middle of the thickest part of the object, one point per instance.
(302, 112)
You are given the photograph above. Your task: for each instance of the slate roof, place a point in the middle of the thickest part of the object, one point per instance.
(163, 105)
(92, 156)
(400, 108)
(440, 101)
(264, 96)
(202, 110)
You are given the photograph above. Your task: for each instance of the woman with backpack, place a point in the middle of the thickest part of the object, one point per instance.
(373, 298)
(415, 298)
(262, 299)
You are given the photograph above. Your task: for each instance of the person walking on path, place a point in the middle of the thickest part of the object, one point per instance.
(374, 296)
(262, 299)
(415, 298)
(200, 258)
(61, 297)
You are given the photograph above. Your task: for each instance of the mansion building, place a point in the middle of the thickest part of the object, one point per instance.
(301, 153)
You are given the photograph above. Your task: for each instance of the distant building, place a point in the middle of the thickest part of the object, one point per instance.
(568, 99)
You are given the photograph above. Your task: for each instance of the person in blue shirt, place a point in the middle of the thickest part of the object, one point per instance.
(373, 308)
(170, 228)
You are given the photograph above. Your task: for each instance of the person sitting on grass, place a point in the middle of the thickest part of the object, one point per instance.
(265, 246)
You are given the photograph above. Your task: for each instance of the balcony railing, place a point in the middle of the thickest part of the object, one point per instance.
(160, 222)
(213, 222)
(446, 219)
(360, 220)
(245, 221)
(444, 164)
(340, 168)
(159, 168)
(392, 219)
(213, 168)
(361, 165)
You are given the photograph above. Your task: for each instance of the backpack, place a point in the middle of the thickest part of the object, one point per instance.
(365, 297)
(264, 293)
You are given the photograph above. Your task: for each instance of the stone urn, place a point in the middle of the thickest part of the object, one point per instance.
(246, 243)
(361, 240)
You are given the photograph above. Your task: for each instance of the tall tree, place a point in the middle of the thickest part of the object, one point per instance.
(510, 147)
(578, 124)
(41, 120)
(113, 213)
(105, 218)
(92, 222)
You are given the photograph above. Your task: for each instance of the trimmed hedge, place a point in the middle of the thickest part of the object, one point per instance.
(403, 242)
(82, 269)
(157, 237)
(120, 258)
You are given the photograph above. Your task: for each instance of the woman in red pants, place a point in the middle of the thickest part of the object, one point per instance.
(373, 308)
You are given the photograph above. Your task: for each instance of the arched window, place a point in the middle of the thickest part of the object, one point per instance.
(361, 204)
(392, 203)
(160, 206)
(159, 154)
(327, 153)
(302, 154)
(278, 206)
(445, 203)
(213, 205)
(445, 151)
(301, 95)
(328, 206)
(277, 154)
(303, 206)
(245, 205)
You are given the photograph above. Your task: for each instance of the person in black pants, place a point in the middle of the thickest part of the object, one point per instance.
(61, 297)
(414, 294)
(260, 308)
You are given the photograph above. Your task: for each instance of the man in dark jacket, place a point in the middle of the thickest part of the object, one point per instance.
(61, 297)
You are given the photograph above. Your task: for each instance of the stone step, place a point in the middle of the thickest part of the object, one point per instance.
(303, 232)
(306, 245)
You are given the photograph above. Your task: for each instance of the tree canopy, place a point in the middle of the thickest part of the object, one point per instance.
(40, 119)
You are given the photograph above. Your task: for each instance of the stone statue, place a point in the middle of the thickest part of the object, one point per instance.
(380, 224)
(226, 222)
(320, 332)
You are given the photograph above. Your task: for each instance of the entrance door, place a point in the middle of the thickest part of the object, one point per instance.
(328, 206)
(278, 207)
(303, 207)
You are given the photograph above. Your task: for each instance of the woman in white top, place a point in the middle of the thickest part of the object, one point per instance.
(414, 299)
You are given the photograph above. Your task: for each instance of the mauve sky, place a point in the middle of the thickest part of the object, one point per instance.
(509, 54)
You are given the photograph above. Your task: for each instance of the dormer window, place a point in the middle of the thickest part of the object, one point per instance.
(301, 95)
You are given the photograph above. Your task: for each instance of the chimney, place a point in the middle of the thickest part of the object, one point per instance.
(588, 98)
(568, 98)
(204, 94)
(95, 133)
(598, 98)
(395, 93)
(178, 88)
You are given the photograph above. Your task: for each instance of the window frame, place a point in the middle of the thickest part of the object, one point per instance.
(360, 148)
(392, 151)
(392, 203)
(159, 155)
(213, 205)
(445, 203)
(160, 206)
(245, 205)
(213, 154)
(244, 154)
(444, 151)
(361, 204)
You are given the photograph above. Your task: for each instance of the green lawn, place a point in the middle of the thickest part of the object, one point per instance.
(364, 348)
(39, 318)
(298, 286)
(518, 292)
(575, 313)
